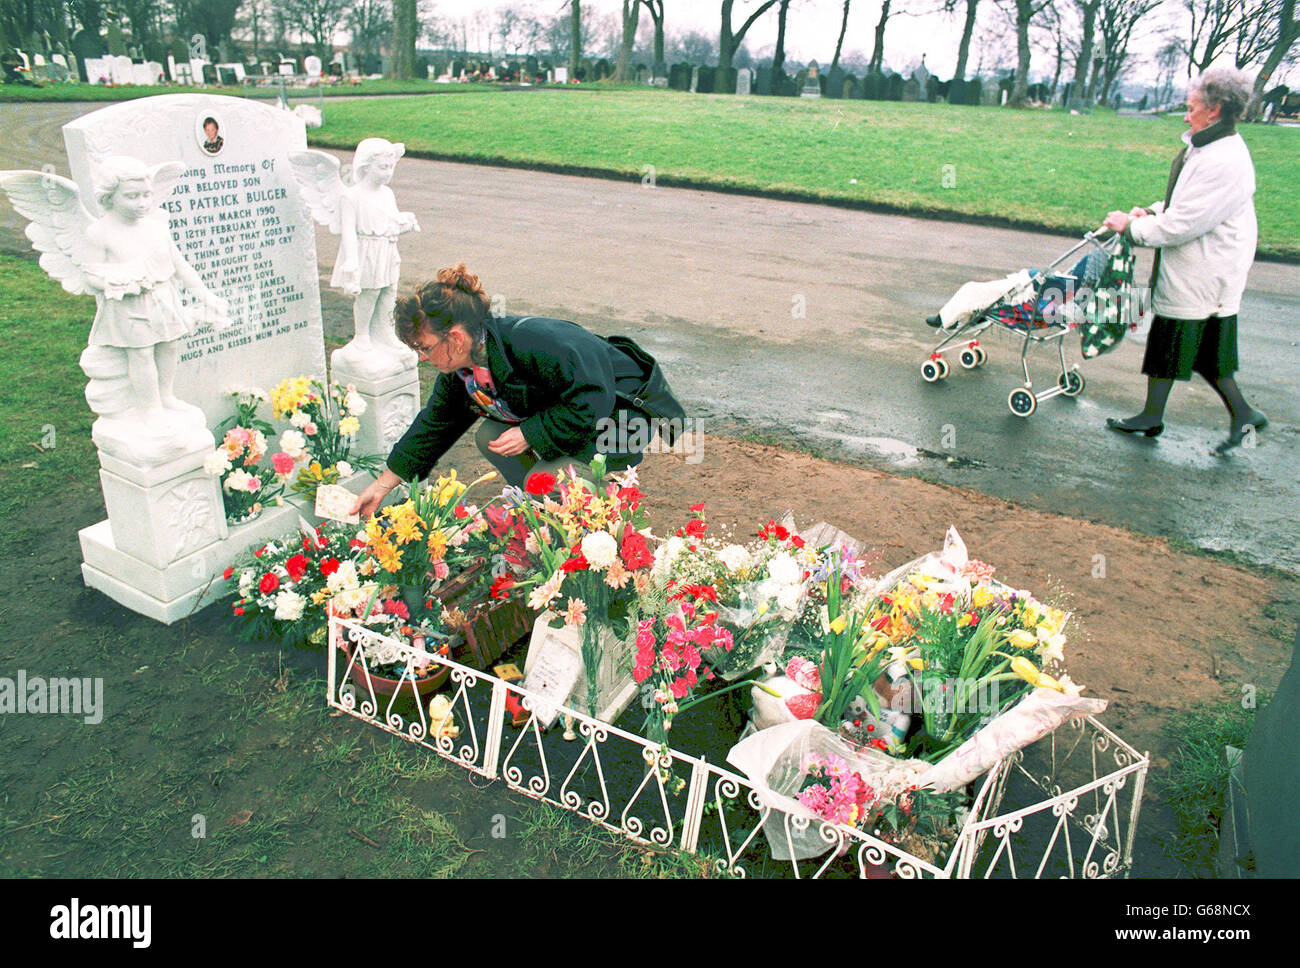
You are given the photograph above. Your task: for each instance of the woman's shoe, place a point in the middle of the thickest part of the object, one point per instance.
(1126, 427)
(936, 321)
(1256, 422)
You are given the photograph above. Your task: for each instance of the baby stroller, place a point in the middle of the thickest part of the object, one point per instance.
(1095, 297)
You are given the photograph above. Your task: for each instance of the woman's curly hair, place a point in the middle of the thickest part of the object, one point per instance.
(454, 298)
(1227, 88)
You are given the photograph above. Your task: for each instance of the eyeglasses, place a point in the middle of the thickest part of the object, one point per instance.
(424, 351)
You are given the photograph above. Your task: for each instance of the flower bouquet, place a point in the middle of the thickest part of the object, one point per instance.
(246, 486)
(280, 589)
(587, 551)
(323, 422)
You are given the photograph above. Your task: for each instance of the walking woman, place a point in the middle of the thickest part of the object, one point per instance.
(1204, 233)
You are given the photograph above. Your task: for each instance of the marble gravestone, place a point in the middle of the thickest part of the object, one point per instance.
(237, 218)
(811, 86)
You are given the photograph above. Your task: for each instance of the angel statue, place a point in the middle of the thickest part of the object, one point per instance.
(365, 217)
(127, 259)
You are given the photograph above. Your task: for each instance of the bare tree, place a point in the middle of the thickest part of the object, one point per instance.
(878, 50)
(730, 38)
(656, 8)
(1116, 21)
(1023, 13)
(370, 23)
(778, 56)
(1288, 33)
(406, 25)
(631, 21)
(575, 37)
(844, 26)
(1088, 13)
(1247, 28)
(968, 28)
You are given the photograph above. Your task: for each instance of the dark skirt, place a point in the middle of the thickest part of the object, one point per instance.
(1178, 347)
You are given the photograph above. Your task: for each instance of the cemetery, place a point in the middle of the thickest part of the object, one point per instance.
(662, 672)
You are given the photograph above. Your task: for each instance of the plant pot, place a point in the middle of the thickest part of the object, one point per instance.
(490, 632)
(388, 687)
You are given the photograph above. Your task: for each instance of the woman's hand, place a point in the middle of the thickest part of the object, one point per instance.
(373, 496)
(1117, 221)
(510, 444)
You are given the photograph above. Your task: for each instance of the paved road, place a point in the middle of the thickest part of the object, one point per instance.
(714, 285)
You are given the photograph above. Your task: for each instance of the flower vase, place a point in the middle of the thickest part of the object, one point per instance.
(612, 685)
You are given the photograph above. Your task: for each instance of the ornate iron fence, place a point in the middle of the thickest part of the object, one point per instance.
(1082, 785)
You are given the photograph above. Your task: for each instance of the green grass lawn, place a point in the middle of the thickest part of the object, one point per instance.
(1034, 168)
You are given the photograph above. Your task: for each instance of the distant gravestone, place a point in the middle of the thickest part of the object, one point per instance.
(957, 91)
(835, 82)
(871, 85)
(643, 75)
(660, 72)
(1271, 766)
(695, 79)
(603, 69)
(973, 92)
(312, 66)
(763, 82)
(812, 85)
(744, 81)
(990, 95)
(561, 75)
(679, 77)
(724, 82)
(932, 89)
(145, 74)
(123, 70)
(912, 90)
(226, 75)
(707, 81)
(209, 73)
(922, 74)
(895, 87)
(851, 86)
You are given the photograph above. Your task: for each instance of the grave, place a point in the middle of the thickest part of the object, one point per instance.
(312, 66)
(763, 82)
(744, 81)
(912, 90)
(679, 77)
(235, 217)
(811, 86)
(835, 82)
(957, 91)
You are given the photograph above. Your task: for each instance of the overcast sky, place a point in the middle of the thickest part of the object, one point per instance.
(814, 25)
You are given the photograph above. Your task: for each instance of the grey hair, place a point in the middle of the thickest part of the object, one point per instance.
(1227, 88)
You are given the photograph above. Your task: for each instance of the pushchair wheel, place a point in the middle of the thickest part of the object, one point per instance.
(1022, 402)
(983, 357)
(1071, 383)
(931, 371)
(944, 369)
(969, 358)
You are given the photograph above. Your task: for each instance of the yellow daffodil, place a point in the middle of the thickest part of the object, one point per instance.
(839, 624)
(981, 596)
(1030, 615)
(1022, 639)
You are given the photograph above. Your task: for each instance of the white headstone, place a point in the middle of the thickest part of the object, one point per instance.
(123, 70)
(288, 68)
(58, 59)
(143, 74)
(235, 66)
(312, 65)
(744, 80)
(99, 70)
(196, 70)
(236, 217)
(561, 75)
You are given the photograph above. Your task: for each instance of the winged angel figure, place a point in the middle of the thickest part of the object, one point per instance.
(126, 258)
(364, 215)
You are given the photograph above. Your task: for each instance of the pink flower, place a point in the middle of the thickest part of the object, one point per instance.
(310, 430)
(282, 463)
(576, 613)
(254, 485)
(680, 688)
(440, 570)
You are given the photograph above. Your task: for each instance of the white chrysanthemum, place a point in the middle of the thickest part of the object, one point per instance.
(354, 403)
(344, 578)
(784, 569)
(600, 549)
(788, 598)
(238, 481)
(300, 419)
(246, 579)
(216, 463)
(735, 557)
(345, 470)
(667, 554)
(289, 606)
(293, 443)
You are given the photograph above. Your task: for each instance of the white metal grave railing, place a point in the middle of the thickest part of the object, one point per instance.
(1082, 784)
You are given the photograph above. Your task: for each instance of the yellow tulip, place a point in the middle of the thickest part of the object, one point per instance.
(981, 596)
(1022, 639)
(1030, 673)
(839, 624)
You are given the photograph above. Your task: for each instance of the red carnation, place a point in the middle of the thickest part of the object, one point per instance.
(696, 528)
(797, 541)
(329, 566)
(697, 508)
(239, 611)
(636, 553)
(269, 583)
(576, 563)
(296, 567)
(259, 552)
(501, 587)
(461, 512)
(540, 483)
(630, 497)
(227, 573)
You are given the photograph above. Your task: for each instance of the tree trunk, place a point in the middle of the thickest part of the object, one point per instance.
(963, 50)
(839, 44)
(631, 20)
(657, 15)
(778, 58)
(575, 38)
(1287, 35)
(878, 54)
(1084, 62)
(1024, 13)
(405, 27)
(729, 40)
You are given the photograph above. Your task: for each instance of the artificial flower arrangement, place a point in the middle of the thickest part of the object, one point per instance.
(246, 485)
(587, 555)
(323, 423)
(281, 588)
